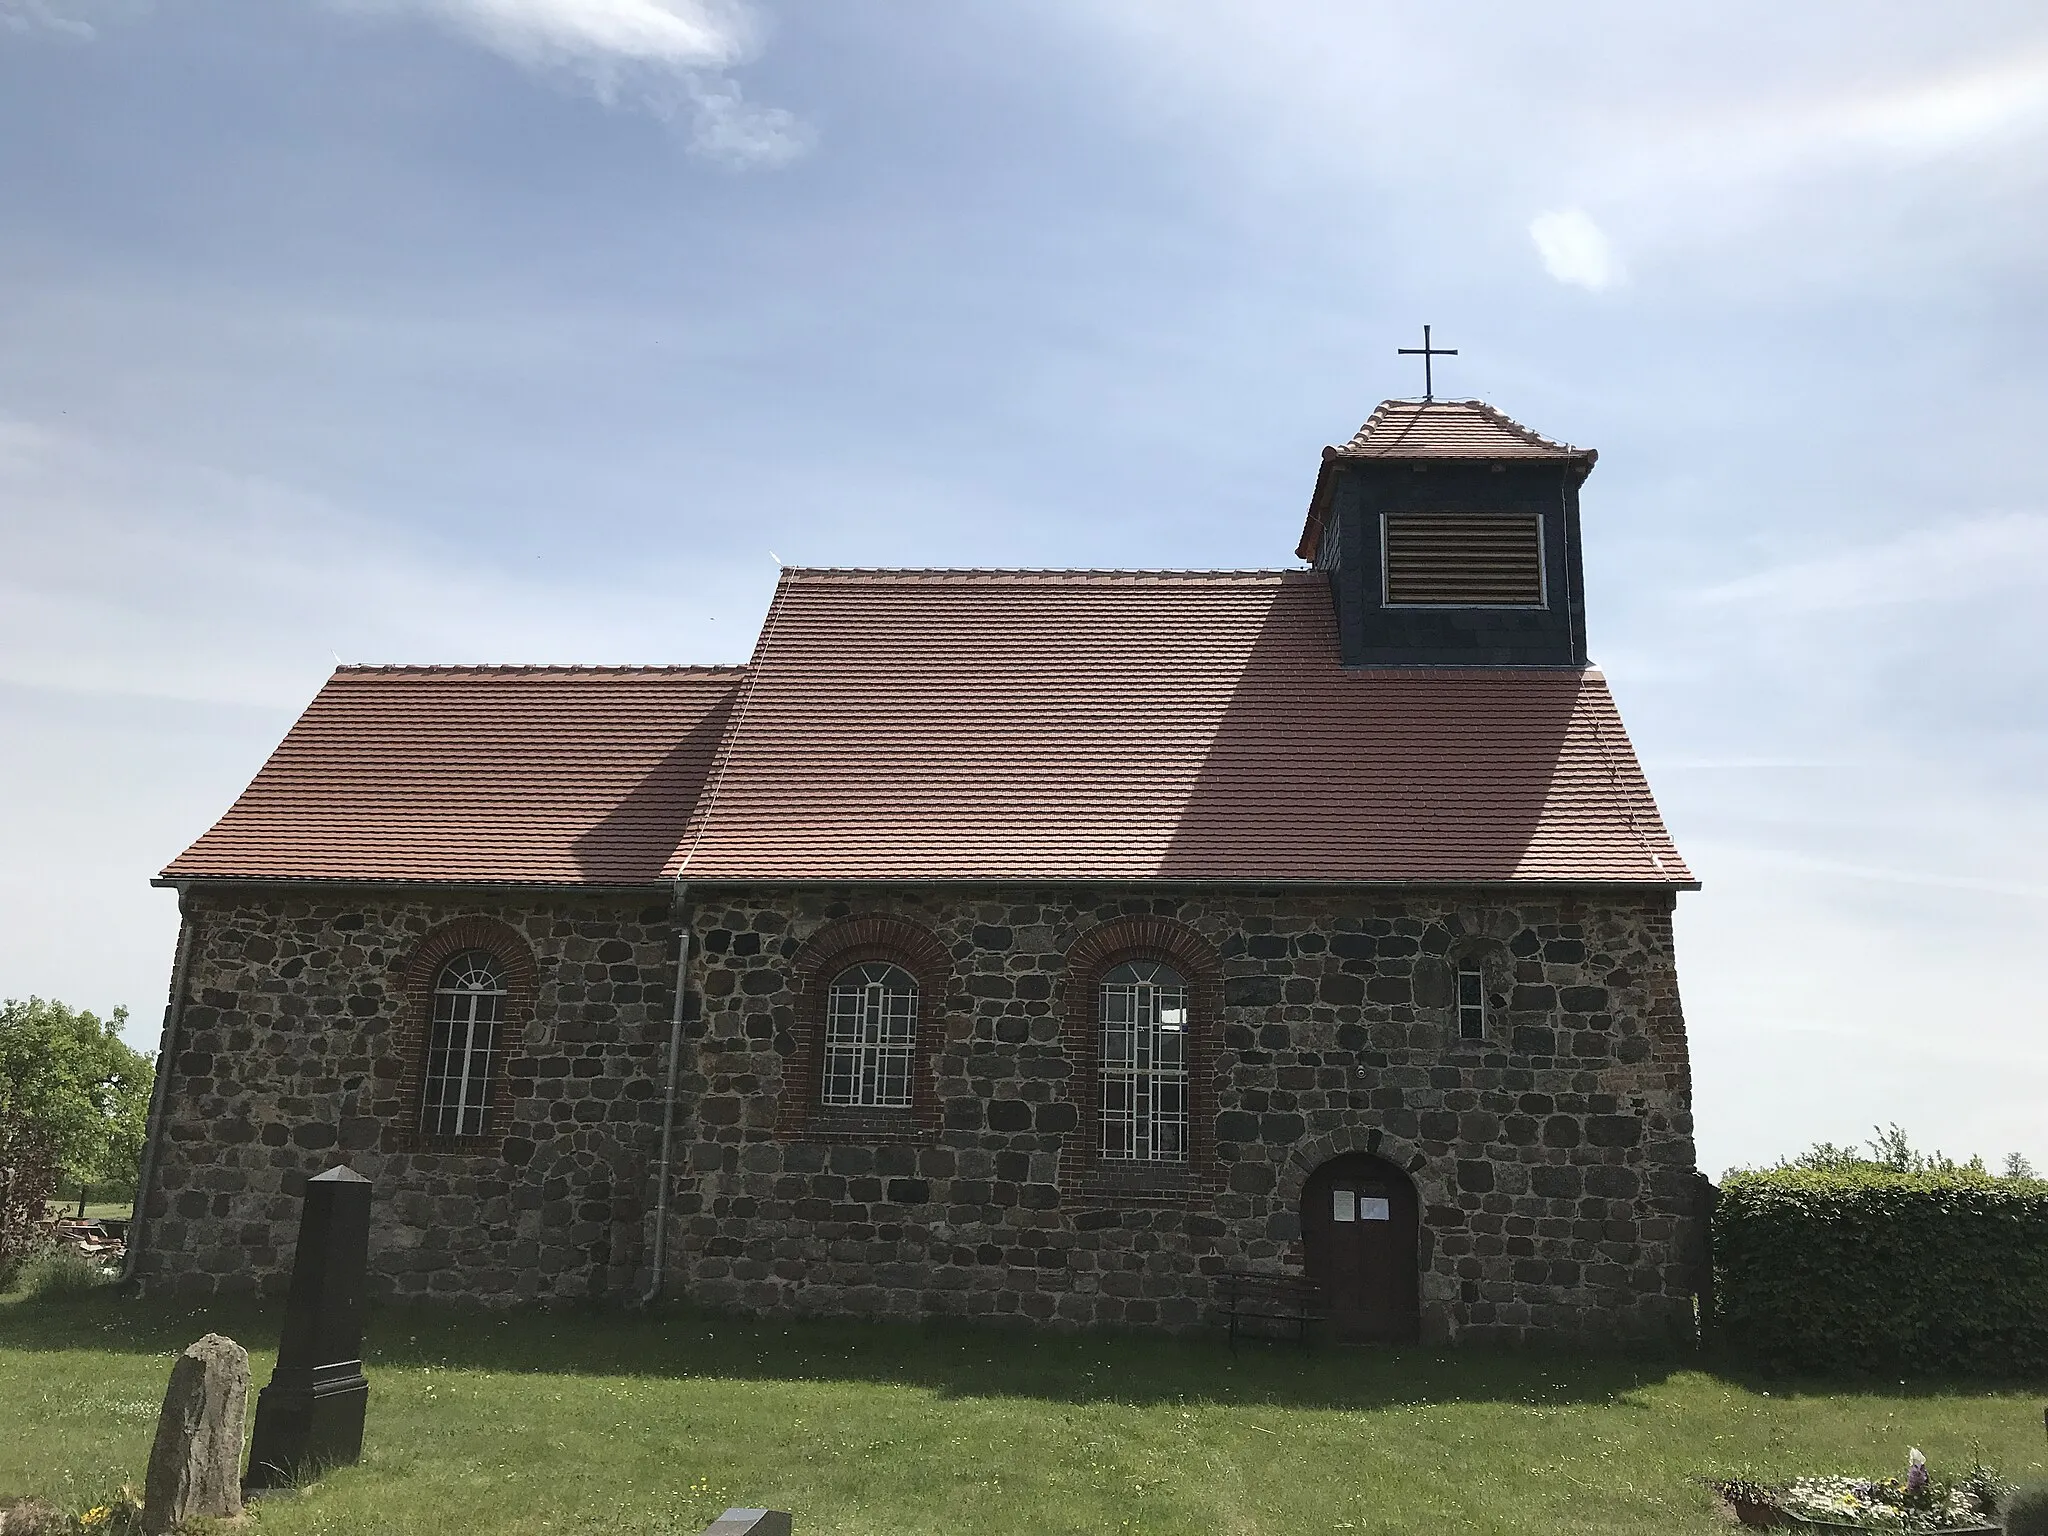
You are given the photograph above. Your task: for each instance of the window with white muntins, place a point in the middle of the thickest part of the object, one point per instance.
(1471, 1003)
(464, 1046)
(870, 1037)
(1144, 1064)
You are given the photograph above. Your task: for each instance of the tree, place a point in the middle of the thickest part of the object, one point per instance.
(28, 1176)
(70, 1084)
(1892, 1150)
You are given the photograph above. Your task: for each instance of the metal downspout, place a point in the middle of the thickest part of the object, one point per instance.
(160, 1086)
(668, 1103)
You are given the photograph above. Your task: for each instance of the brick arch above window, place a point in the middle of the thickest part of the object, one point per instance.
(1143, 938)
(1083, 1169)
(826, 955)
(504, 943)
(872, 936)
(418, 976)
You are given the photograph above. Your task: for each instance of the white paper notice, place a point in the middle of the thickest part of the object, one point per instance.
(1344, 1204)
(1372, 1208)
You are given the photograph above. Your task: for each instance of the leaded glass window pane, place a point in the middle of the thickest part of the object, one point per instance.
(463, 1046)
(1144, 1063)
(870, 1037)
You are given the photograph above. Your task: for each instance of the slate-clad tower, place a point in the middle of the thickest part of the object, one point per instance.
(1451, 536)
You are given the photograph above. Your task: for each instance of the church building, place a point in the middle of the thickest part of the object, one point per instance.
(1040, 945)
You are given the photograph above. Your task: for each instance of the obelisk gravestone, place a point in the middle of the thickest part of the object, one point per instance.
(311, 1414)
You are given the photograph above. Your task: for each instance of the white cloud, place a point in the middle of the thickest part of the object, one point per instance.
(130, 574)
(1574, 249)
(733, 131)
(1765, 146)
(676, 34)
(1933, 117)
(1994, 553)
(669, 56)
(66, 18)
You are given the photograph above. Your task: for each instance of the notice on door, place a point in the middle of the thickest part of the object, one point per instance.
(1344, 1204)
(1373, 1208)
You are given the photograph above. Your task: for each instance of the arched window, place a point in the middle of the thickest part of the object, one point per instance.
(464, 1046)
(870, 1037)
(1143, 1070)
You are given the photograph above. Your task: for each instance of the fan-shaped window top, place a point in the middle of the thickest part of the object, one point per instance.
(463, 1046)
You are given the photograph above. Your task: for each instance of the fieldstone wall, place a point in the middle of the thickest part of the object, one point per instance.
(297, 1039)
(1553, 1159)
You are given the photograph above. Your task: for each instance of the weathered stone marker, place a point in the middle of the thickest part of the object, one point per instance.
(311, 1414)
(749, 1522)
(32, 1517)
(196, 1463)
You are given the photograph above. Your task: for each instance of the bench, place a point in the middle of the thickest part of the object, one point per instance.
(1262, 1299)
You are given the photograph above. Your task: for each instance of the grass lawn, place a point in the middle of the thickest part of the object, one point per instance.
(114, 1210)
(583, 1422)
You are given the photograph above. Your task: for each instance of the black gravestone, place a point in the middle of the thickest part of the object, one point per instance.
(311, 1414)
(750, 1522)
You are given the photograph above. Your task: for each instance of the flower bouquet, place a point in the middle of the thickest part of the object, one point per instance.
(1920, 1504)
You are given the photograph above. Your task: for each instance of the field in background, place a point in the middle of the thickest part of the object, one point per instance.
(584, 1422)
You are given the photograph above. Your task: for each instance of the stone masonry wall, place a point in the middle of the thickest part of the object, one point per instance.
(293, 1055)
(1553, 1159)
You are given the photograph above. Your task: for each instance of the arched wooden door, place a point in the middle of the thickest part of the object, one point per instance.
(1359, 1234)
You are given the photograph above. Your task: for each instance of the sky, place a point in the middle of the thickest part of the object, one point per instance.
(539, 330)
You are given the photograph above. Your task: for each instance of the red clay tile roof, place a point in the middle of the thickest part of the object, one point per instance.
(989, 725)
(1450, 429)
(550, 775)
(1423, 431)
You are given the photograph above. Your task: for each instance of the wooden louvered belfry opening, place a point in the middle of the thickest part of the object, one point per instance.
(1463, 559)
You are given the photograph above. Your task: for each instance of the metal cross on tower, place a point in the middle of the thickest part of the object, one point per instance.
(1428, 354)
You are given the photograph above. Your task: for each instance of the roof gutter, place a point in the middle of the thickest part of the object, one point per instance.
(159, 1088)
(1578, 465)
(1174, 883)
(376, 882)
(668, 1102)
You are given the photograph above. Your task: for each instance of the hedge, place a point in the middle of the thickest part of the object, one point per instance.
(1880, 1270)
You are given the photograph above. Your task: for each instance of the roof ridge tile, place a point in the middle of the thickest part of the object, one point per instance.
(354, 669)
(1036, 574)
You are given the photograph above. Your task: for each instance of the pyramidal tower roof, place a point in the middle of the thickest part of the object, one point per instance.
(1450, 429)
(1424, 431)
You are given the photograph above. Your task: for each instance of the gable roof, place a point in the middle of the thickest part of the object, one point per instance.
(547, 775)
(1428, 431)
(1187, 726)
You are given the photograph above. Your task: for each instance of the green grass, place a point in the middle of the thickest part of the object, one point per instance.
(581, 1422)
(58, 1275)
(112, 1210)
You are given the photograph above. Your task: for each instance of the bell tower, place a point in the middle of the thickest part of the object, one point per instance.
(1451, 538)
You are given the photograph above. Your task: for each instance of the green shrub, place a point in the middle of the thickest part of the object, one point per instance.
(2026, 1512)
(1943, 1269)
(61, 1274)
